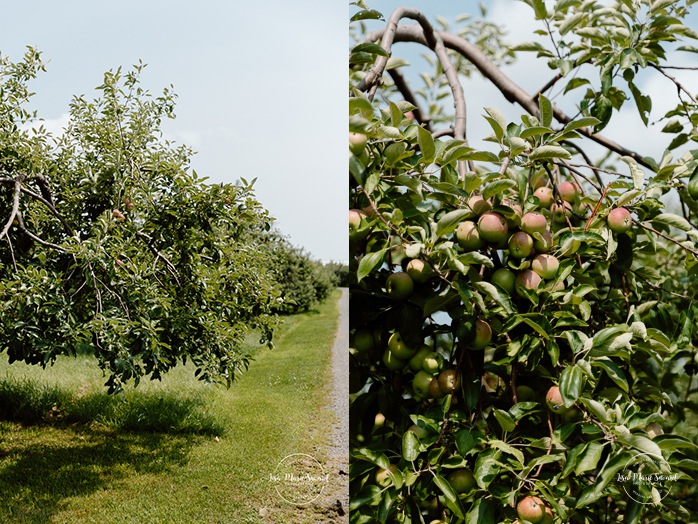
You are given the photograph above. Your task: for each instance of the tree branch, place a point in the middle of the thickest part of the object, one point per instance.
(511, 91)
(15, 208)
(407, 94)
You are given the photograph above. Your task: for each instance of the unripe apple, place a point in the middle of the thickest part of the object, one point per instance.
(399, 286)
(379, 420)
(520, 245)
(357, 143)
(492, 227)
(619, 220)
(448, 380)
(363, 340)
(420, 383)
(527, 279)
(531, 509)
(504, 278)
(534, 222)
(568, 191)
(544, 242)
(545, 196)
(432, 362)
(462, 480)
(553, 399)
(468, 236)
(117, 214)
(561, 212)
(419, 271)
(417, 361)
(392, 362)
(483, 335)
(383, 478)
(419, 431)
(548, 517)
(525, 393)
(399, 348)
(357, 219)
(546, 266)
(478, 204)
(434, 390)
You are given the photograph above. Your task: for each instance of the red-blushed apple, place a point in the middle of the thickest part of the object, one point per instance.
(478, 204)
(545, 265)
(504, 278)
(531, 509)
(568, 191)
(462, 480)
(400, 348)
(399, 285)
(419, 270)
(520, 245)
(482, 335)
(534, 222)
(545, 197)
(527, 279)
(619, 220)
(117, 214)
(560, 213)
(448, 380)
(468, 236)
(553, 399)
(492, 227)
(548, 517)
(357, 143)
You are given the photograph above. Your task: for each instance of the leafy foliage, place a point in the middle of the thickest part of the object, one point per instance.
(567, 371)
(112, 244)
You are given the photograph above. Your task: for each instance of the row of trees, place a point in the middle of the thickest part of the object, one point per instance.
(110, 243)
(523, 318)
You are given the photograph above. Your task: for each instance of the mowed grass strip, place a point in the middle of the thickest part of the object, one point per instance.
(172, 452)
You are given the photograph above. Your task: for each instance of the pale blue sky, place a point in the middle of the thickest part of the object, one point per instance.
(261, 85)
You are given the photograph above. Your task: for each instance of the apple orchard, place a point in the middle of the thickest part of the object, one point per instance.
(523, 318)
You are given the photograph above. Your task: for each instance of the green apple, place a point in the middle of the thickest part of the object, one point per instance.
(448, 380)
(468, 236)
(534, 222)
(417, 361)
(520, 245)
(420, 383)
(419, 270)
(504, 278)
(432, 362)
(462, 480)
(399, 348)
(419, 431)
(399, 286)
(383, 476)
(363, 340)
(525, 393)
(357, 143)
(482, 335)
(392, 362)
(478, 204)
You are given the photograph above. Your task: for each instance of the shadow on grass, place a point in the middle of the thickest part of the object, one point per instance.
(30, 402)
(56, 444)
(39, 469)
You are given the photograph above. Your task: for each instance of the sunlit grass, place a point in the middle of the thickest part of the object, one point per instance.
(175, 451)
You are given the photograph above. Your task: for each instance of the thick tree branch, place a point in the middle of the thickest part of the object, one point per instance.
(406, 92)
(511, 91)
(15, 208)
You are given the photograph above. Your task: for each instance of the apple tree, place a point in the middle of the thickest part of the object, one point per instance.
(110, 244)
(523, 315)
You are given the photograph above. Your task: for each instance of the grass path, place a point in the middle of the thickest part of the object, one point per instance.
(96, 472)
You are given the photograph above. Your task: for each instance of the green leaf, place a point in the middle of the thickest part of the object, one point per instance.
(487, 467)
(506, 448)
(539, 9)
(571, 384)
(589, 459)
(642, 443)
(370, 48)
(637, 173)
(410, 446)
(613, 372)
(546, 110)
(595, 491)
(370, 495)
(367, 14)
(369, 262)
(571, 22)
(448, 223)
(501, 298)
(450, 496)
(473, 257)
(374, 457)
(497, 187)
(672, 220)
(580, 123)
(597, 409)
(426, 145)
(505, 421)
(548, 151)
(467, 439)
(481, 512)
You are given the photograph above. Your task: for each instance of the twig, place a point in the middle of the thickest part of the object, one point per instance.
(678, 84)
(15, 208)
(666, 237)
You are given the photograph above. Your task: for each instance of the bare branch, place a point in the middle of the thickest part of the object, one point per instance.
(15, 208)
(511, 91)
